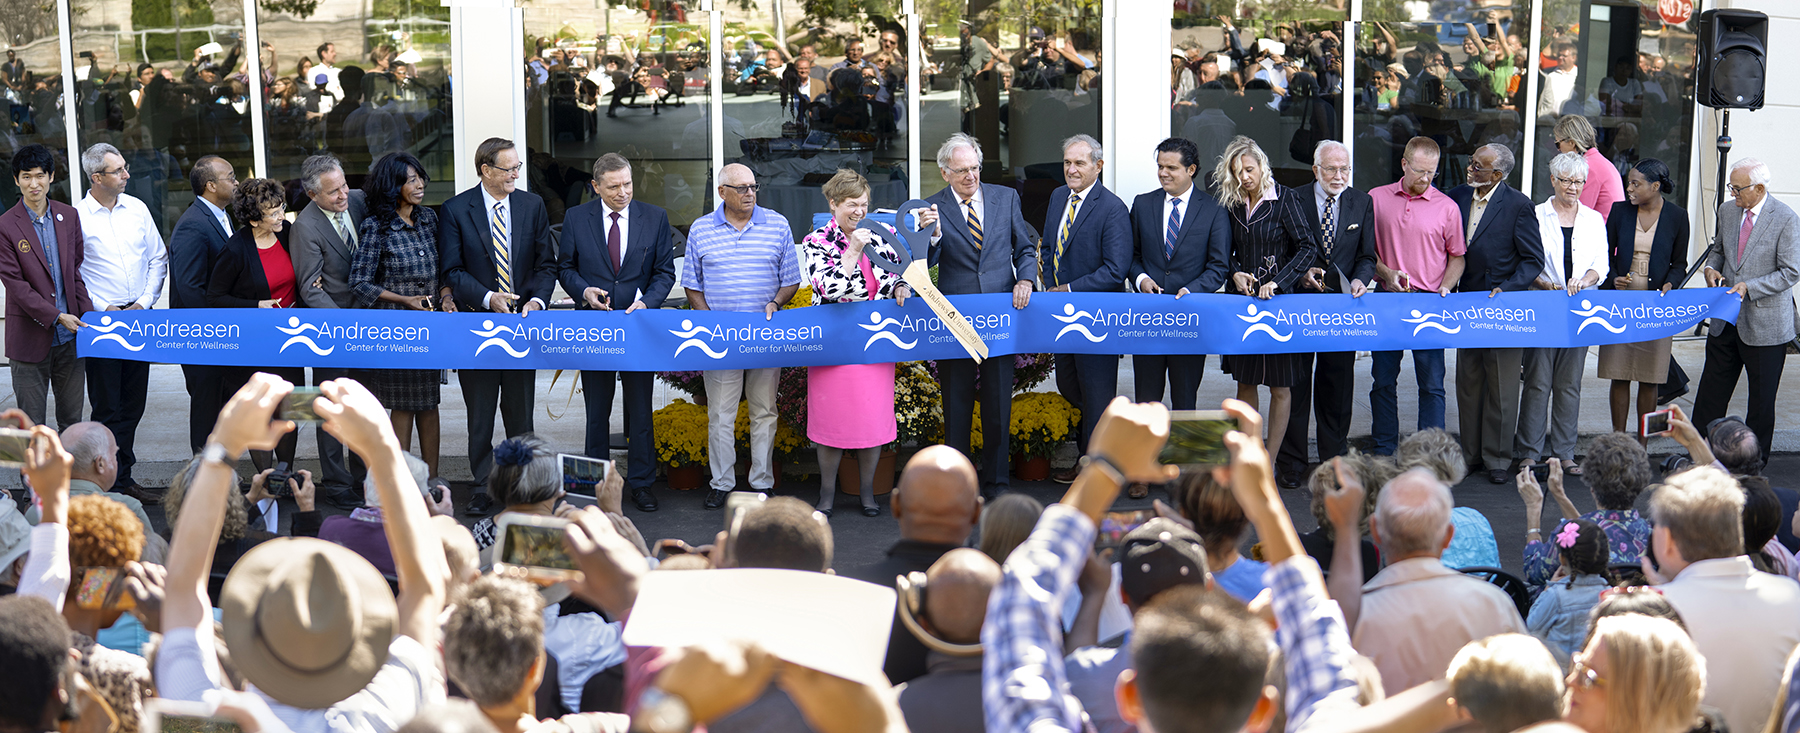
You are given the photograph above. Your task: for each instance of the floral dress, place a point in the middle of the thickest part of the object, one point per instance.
(849, 406)
(403, 258)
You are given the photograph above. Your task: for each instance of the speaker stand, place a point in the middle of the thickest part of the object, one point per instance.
(1724, 149)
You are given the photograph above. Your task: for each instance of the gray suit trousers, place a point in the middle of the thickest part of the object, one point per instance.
(1546, 430)
(1487, 404)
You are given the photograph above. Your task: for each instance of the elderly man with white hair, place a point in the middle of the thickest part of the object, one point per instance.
(1761, 263)
(1416, 613)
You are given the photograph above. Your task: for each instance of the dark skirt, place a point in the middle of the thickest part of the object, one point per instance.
(410, 390)
(1268, 370)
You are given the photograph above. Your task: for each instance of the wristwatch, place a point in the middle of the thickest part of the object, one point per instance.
(215, 452)
(1105, 466)
(661, 712)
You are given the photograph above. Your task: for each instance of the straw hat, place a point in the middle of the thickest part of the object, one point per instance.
(307, 621)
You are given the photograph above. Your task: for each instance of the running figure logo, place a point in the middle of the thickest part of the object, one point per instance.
(1422, 321)
(1593, 314)
(106, 328)
(1257, 326)
(492, 333)
(689, 331)
(879, 325)
(1070, 316)
(297, 335)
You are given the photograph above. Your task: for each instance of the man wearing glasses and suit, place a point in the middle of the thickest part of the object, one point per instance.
(987, 248)
(617, 255)
(496, 255)
(1345, 220)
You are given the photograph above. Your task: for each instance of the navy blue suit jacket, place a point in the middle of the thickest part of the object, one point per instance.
(1007, 254)
(1201, 247)
(1353, 248)
(1097, 255)
(465, 245)
(648, 266)
(194, 248)
(1506, 252)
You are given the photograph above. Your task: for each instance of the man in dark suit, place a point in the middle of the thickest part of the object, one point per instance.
(1345, 220)
(617, 253)
(40, 266)
(1087, 240)
(1182, 239)
(1506, 253)
(194, 247)
(323, 240)
(495, 250)
(987, 248)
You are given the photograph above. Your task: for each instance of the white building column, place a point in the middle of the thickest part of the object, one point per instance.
(1135, 110)
(487, 51)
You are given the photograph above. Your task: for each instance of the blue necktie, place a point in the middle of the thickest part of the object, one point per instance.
(1174, 228)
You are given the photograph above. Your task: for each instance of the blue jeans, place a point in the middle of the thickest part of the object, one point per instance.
(1428, 366)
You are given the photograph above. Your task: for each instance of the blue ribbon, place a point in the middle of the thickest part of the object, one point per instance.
(880, 331)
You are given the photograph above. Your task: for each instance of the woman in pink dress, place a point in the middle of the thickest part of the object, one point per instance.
(849, 407)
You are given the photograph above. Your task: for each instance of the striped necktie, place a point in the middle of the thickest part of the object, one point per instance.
(1062, 234)
(974, 221)
(1173, 229)
(502, 250)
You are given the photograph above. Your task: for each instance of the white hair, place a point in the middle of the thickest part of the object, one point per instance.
(1569, 165)
(1503, 158)
(94, 159)
(1324, 145)
(957, 140)
(1095, 152)
(421, 473)
(1757, 170)
(1412, 513)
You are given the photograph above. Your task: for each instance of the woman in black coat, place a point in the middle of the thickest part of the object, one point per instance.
(1646, 244)
(254, 270)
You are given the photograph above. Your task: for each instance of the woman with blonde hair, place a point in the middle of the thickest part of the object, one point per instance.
(849, 407)
(1271, 247)
(1575, 134)
(1638, 674)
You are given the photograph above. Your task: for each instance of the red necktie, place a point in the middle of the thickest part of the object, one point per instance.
(612, 241)
(1744, 233)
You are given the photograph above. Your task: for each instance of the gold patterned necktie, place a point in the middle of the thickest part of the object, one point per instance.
(1062, 234)
(502, 252)
(974, 221)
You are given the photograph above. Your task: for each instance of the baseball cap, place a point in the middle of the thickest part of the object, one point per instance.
(1160, 554)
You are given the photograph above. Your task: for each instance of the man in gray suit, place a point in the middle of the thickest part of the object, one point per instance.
(986, 248)
(323, 240)
(1761, 263)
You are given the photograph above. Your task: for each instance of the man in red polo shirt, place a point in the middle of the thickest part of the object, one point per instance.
(1419, 249)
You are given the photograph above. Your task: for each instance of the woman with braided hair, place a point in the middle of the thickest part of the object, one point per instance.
(1560, 615)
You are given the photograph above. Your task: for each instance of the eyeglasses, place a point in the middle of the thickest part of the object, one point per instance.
(1570, 181)
(1625, 590)
(960, 172)
(119, 171)
(507, 171)
(744, 189)
(1735, 189)
(1476, 168)
(1584, 677)
(1335, 170)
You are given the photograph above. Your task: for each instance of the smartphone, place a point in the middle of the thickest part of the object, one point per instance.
(15, 445)
(1197, 437)
(1654, 423)
(102, 589)
(582, 475)
(298, 405)
(668, 548)
(181, 716)
(532, 547)
(1115, 525)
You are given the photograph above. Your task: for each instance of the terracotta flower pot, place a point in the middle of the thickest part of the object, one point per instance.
(687, 478)
(850, 476)
(1030, 468)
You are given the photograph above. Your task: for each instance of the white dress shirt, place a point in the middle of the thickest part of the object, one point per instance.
(1163, 224)
(1588, 244)
(218, 214)
(624, 229)
(125, 261)
(975, 201)
(487, 301)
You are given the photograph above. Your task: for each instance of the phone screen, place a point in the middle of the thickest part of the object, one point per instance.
(1197, 437)
(298, 405)
(180, 716)
(537, 546)
(15, 445)
(103, 589)
(582, 475)
(1115, 525)
(1655, 423)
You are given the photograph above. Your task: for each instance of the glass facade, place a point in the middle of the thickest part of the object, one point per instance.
(31, 81)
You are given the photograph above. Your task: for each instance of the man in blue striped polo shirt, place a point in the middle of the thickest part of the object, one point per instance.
(740, 258)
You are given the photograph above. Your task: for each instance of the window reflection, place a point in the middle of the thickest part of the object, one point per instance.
(616, 80)
(31, 84)
(358, 85)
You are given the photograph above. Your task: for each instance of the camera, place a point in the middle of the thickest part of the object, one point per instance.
(1675, 462)
(277, 484)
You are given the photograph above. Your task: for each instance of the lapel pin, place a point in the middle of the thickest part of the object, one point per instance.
(24, 246)
(59, 217)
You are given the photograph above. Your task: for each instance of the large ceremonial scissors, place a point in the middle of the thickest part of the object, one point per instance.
(917, 274)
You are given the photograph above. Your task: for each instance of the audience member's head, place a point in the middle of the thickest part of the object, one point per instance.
(1006, 522)
(784, 533)
(1734, 445)
(421, 473)
(1158, 555)
(1217, 517)
(450, 716)
(1506, 682)
(1583, 549)
(1638, 674)
(1762, 519)
(1373, 471)
(1434, 450)
(34, 651)
(94, 453)
(526, 473)
(1697, 515)
(938, 499)
(1617, 471)
(1412, 517)
(1200, 658)
(494, 641)
(956, 605)
(1628, 599)
(103, 533)
(237, 512)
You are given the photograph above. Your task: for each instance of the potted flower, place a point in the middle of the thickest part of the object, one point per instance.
(1041, 421)
(681, 443)
(691, 382)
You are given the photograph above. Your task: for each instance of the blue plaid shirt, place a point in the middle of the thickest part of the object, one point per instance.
(1023, 683)
(46, 233)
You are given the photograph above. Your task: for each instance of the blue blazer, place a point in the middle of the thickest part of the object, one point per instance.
(1098, 252)
(465, 243)
(1007, 253)
(1506, 252)
(1201, 246)
(649, 264)
(194, 248)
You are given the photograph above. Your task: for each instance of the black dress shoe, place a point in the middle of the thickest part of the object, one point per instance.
(1289, 479)
(480, 505)
(872, 511)
(644, 499)
(1498, 476)
(716, 498)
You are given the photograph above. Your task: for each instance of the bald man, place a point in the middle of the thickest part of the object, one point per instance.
(938, 504)
(95, 464)
(948, 697)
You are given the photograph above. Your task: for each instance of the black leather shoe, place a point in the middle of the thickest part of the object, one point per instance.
(1498, 476)
(716, 498)
(480, 505)
(644, 499)
(1288, 479)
